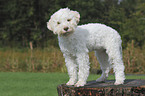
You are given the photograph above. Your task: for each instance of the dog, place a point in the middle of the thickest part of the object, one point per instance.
(77, 41)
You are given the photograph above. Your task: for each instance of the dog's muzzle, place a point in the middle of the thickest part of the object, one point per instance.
(67, 31)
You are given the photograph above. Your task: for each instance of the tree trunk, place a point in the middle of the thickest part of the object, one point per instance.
(92, 88)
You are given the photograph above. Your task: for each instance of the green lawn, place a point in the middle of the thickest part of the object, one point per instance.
(37, 84)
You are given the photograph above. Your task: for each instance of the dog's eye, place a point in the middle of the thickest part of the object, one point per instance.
(68, 20)
(58, 23)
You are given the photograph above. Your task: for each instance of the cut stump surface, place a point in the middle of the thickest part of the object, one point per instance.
(93, 88)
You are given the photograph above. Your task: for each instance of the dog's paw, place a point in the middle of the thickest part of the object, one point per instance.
(118, 82)
(70, 82)
(80, 83)
(101, 79)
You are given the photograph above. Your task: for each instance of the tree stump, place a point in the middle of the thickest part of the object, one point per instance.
(92, 88)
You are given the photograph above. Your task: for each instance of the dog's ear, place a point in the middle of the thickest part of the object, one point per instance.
(49, 25)
(77, 15)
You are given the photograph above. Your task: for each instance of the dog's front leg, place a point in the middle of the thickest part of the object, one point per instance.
(83, 73)
(72, 69)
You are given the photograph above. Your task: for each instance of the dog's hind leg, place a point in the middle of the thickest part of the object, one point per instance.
(102, 57)
(115, 58)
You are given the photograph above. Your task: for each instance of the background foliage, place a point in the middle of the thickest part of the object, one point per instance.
(24, 22)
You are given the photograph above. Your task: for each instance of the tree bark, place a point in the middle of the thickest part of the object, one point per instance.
(92, 88)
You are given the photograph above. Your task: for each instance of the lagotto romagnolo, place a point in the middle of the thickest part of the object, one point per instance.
(76, 41)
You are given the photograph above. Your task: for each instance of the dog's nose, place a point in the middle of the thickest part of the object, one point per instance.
(66, 28)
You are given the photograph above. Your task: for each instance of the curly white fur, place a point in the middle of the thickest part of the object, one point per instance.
(76, 41)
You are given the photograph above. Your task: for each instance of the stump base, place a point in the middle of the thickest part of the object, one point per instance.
(93, 88)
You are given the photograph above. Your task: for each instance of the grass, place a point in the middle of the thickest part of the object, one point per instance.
(37, 84)
(30, 84)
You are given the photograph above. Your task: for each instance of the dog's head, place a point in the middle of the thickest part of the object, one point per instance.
(63, 22)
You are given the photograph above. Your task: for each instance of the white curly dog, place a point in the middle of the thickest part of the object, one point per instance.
(76, 41)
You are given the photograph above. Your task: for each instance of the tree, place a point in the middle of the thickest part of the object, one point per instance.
(133, 28)
(25, 20)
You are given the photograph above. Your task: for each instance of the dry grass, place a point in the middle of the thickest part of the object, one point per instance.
(51, 60)
(46, 60)
(134, 59)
